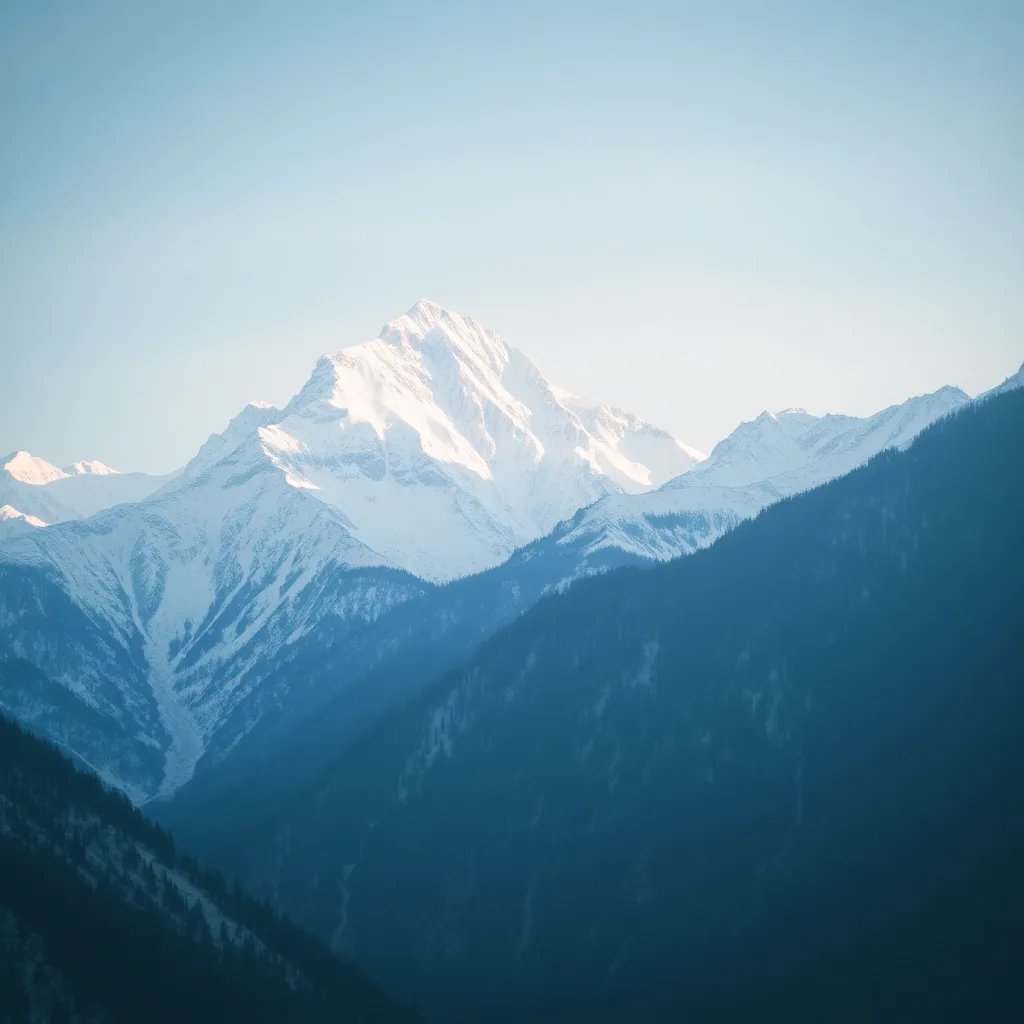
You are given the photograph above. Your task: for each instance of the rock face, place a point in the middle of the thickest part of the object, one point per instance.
(780, 779)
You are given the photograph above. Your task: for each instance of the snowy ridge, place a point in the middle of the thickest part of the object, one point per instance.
(175, 574)
(8, 513)
(89, 467)
(762, 461)
(1012, 382)
(13, 522)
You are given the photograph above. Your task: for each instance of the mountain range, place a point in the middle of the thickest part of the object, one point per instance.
(41, 494)
(523, 705)
(780, 779)
(161, 621)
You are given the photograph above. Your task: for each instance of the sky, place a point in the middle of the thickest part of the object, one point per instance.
(694, 211)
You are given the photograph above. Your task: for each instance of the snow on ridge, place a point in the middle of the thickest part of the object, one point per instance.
(770, 457)
(793, 440)
(8, 512)
(1014, 381)
(90, 467)
(14, 523)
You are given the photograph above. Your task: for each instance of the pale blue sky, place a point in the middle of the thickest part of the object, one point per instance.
(692, 210)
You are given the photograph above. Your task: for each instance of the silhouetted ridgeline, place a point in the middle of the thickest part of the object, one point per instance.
(781, 779)
(101, 919)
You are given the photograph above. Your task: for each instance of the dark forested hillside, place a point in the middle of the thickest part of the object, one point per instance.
(102, 920)
(782, 778)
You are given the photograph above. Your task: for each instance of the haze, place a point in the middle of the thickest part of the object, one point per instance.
(692, 211)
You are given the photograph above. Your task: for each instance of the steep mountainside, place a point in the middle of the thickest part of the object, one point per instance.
(102, 920)
(152, 614)
(780, 779)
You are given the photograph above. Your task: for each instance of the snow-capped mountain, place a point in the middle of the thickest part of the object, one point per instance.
(89, 467)
(39, 490)
(772, 457)
(445, 448)
(30, 469)
(25, 482)
(424, 455)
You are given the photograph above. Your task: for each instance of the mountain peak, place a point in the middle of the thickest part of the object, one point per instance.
(427, 308)
(30, 469)
(89, 467)
(429, 327)
(458, 426)
(425, 315)
(945, 393)
(422, 317)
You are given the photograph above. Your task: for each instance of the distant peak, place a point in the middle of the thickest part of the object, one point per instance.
(946, 396)
(89, 467)
(30, 469)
